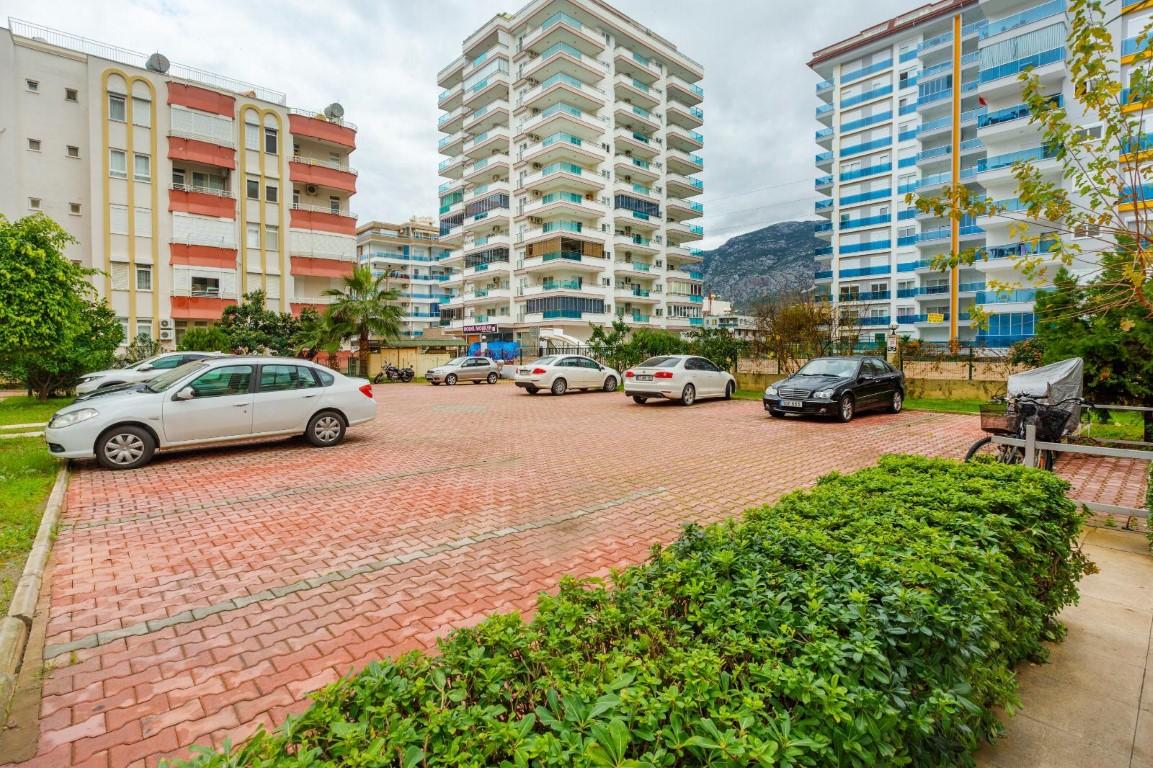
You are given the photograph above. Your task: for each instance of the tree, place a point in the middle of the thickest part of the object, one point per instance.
(793, 329)
(315, 333)
(365, 307)
(52, 329)
(607, 343)
(210, 339)
(1100, 194)
(140, 348)
(718, 345)
(251, 327)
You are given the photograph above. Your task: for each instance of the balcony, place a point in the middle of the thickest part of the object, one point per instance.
(630, 168)
(494, 87)
(202, 201)
(684, 163)
(564, 147)
(322, 220)
(636, 295)
(680, 210)
(684, 139)
(684, 91)
(561, 176)
(561, 57)
(1024, 18)
(563, 28)
(636, 65)
(857, 74)
(628, 88)
(339, 132)
(635, 143)
(486, 168)
(451, 145)
(324, 173)
(683, 233)
(190, 150)
(562, 260)
(635, 244)
(450, 98)
(566, 203)
(562, 118)
(486, 117)
(203, 306)
(203, 99)
(450, 122)
(484, 144)
(683, 186)
(640, 267)
(634, 118)
(562, 88)
(861, 98)
(310, 266)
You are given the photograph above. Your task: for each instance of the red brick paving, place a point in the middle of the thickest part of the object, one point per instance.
(601, 480)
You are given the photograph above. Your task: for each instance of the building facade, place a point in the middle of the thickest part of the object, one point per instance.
(412, 258)
(915, 104)
(185, 189)
(571, 136)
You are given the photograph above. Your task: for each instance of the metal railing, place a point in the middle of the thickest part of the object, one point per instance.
(333, 164)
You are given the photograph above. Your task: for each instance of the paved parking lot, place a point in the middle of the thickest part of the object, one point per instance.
(205, 595)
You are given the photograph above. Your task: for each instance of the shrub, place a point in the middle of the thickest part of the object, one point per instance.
(875, 619)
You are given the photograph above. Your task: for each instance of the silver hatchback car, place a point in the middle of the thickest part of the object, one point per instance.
(474, 369)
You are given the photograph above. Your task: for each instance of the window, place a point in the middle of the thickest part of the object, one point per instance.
(178, 178)
(144, 328)
(251, 136)
(144, 277)
(253, 187)
(271, 238)
(117, 163)
(34, 203)
(116, 108)
(32, 85)
(205, 286)
(118, 219)
(296, 198)
(141, 112)
(1083, 231)
(223, 381)
(334, 205)
(170, 362)
(73, 151)
(252, 235)
(34, 145)
(278, 378)
(270, 141)
(211, 182)
(74, 209)
(142, 168)
(271, 193)
(326, 378)
(143, 222)
(1090, 131)
(70, 94)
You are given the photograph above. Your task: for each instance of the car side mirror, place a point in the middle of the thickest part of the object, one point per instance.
(188, 393)
(862, 379)
(144, 368)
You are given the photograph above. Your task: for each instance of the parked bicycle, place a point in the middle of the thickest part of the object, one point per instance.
(1010, 416)
(392, 373)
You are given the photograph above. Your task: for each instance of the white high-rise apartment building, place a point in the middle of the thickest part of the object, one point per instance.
(570, 133)
(184, 188)
(912, 104)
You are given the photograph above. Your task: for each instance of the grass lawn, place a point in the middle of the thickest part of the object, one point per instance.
(943, 405)
(27, 410)
(27, 471)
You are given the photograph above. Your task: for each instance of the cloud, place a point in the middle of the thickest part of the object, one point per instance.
(380, 59)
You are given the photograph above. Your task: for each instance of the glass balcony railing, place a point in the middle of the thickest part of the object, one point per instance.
(823, 181)
(1013, 68)
(561, 285)
(697, 229)
(561, 256)
(561, 77)
(941, 151)
(876, 194)
(568, 314)
(561, 226)
(824, 85)
(880, 269)
(561, 107)
(909, 134)
(823, 205)
(824, 157)
(874, 320)
(558, 197)
(1024, 248)
(870, 171)
(936, 69)
(866, 296)
(857, 74)
(933, 42)
(907, 187)
(1007, 160)
(906, 162)
(1009, 297)
(824, 109)
(905, 240)
(561, 168)
(867, 146)
(825, 226)
(1036, 13)
(824, 133)
(858, 247)
(943, 233)
(823, 250)
(968, 144)
(559, 17)
(867, 221)
(697, 113)
(866, 121)
(908, 213)
(823, 274)
(908, 109)
(866, 96)
(556, 48)
(562, 138)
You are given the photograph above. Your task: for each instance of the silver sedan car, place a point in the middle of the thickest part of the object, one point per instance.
(686, 378)
(560, 373)
(474, 369)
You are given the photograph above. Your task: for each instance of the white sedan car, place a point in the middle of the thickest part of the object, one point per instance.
(560, 373)
(214, 400)
(139, 372)
(687, 378)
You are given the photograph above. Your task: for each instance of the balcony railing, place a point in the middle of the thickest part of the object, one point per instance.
(1036, 13)
(1013, 68)
(1006, 160)
(866, 96)
(866, 71)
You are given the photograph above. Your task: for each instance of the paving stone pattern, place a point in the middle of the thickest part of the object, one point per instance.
(206, 595)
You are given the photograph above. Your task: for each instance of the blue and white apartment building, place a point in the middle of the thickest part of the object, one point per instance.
(410, 255)
(912, 104)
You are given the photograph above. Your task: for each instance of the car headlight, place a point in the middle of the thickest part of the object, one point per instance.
(771, 392)
(824, 394)
(86, 379)
(74, 417)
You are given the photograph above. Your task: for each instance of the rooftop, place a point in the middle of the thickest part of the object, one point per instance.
(886, 28)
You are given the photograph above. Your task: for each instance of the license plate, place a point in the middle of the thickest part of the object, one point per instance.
(644, 378)
(523, 370)
(792, 404)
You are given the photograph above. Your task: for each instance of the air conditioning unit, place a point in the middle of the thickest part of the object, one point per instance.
(536, 166)
(166, 323)
(533, 81)
(310, 189)
(536, 193)
(167, 335)
(628, 179)
(535, 220)
(534, 137)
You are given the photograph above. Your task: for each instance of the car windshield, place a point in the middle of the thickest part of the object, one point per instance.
(168, 378)
(829, 366)
(544, 361)
(456, 361)
(145, 361)
(660, 362)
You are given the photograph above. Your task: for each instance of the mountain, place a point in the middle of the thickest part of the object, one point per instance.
(774, 260)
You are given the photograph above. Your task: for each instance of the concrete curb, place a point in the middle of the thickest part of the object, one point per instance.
(14, 628)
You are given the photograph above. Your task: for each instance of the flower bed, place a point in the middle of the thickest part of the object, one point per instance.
(875, 619)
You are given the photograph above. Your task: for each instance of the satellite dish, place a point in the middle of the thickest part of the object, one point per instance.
(157, 62)
(334, 111)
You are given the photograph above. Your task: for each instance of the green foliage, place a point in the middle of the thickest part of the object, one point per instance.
(607, 344)
(209, 339)
(315, 333)
(1030, 352)
(873, 620)
(365, 307)
(718, 345)
(140, 348)
(1149, 505)
(51, 329)
(26, 475)
(252, 327)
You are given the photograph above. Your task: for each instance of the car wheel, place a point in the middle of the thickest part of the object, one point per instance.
(610, 384)
(730, 388)
(776, 414)
(846, 408)
(559, 387)
(640, 400)
(450, 379)
(689, 395)
(898, 401)
(125, 447)
(325, 428)
(492, 377)
(476, 381)
(531, 390)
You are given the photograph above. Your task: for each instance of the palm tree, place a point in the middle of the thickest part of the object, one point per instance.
(365, 307)
(315, 334)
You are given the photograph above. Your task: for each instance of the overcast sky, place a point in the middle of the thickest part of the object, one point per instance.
(379, 58)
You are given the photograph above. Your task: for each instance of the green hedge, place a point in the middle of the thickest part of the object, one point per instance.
(873, 620)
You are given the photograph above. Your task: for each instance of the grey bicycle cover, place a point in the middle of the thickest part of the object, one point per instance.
(1053, 383)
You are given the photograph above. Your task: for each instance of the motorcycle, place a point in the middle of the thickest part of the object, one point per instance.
(392, 373)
